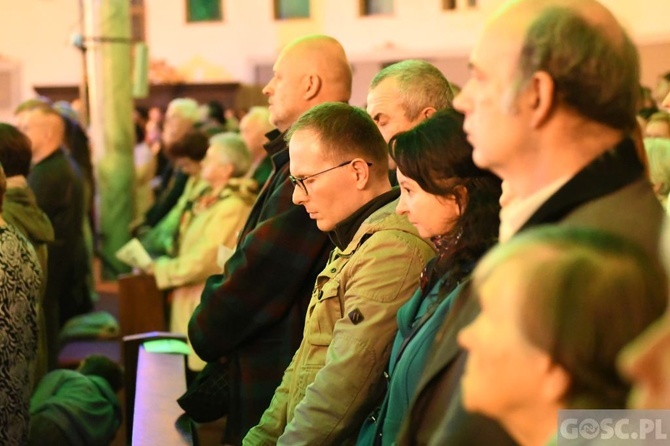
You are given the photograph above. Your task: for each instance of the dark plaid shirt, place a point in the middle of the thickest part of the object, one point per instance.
(254, 313)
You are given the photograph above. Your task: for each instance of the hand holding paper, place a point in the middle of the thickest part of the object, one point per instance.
(134, 254)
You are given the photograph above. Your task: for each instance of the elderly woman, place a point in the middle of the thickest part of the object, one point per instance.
(210, 222)
(658, 158)
(455, 204)
(558, 304)
(20, 279)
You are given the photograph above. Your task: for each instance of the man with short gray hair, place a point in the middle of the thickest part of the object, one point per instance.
(404, 94)
(550, 108)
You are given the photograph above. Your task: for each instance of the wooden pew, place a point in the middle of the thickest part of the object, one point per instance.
(154, 381)
(142, 306)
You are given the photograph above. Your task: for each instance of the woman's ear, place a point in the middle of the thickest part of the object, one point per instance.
(557, 383)
(461, 195)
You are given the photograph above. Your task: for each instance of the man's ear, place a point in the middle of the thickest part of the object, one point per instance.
(541, 97)
(312, 84)
(362, 172)
(427, 112)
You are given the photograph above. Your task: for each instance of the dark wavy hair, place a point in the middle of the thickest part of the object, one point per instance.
(437, 155)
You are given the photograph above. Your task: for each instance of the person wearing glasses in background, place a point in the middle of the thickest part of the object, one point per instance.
(339, 168)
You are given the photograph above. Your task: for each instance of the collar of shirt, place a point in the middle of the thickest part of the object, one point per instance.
(514, 211)
(344, 232)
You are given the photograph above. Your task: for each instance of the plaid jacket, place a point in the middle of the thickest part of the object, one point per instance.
(254, 313)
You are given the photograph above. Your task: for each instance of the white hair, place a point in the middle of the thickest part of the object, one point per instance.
(186, 108)
(231, 149)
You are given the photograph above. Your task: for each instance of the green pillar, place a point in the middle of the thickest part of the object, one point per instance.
(111, 125)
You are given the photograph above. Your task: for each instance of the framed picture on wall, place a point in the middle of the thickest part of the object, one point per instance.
(203, 11)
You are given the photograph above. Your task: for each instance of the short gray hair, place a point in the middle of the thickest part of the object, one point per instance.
(232, 150)
(261, 115)
(658, 158)
(186, 108)
(594, 74)
(420, 85)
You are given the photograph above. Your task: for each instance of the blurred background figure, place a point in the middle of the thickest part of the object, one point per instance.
(658, 125)
(254, 127)
(210, 222)
(56, 180)
(662, 88)
(646, 106)
(77, 407)
(170, 181)
(658, 160)
(20, 210)
(187, 153)
(558, 305)
(20, 280)
(77, 144)
(147, 135)
(646, 361)
(211, 118)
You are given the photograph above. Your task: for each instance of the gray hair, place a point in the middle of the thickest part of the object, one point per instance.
(232, 150)
(595, 74)
(261, 115)
(658, 158)
(186, 108)
(420, 85)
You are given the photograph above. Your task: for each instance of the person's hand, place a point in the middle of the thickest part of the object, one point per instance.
(149, 269)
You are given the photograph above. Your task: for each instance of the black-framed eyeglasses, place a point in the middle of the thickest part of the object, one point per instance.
(300, 181)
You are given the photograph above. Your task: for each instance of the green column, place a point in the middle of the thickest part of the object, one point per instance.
(111, 125)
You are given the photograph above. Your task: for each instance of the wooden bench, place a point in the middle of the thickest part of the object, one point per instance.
(142, 306)
(154, 381)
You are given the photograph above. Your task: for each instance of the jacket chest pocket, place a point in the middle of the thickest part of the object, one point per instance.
(325, 311)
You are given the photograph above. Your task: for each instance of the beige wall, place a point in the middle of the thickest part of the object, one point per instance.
(36, 34)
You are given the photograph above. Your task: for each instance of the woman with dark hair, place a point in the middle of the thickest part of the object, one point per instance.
(455, 204)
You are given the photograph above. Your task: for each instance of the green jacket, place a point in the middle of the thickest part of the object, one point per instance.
(334, 378)
(20, 210)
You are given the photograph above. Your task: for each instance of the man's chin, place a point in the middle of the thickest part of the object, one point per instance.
(323, 226)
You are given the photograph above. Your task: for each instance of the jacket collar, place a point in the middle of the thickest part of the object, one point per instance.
(344, 232)
(277, 148)
(608, 173)
(275, 142)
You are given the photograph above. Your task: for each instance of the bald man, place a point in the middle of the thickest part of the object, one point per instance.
(554, 122)
(57, 183)
(252, 316)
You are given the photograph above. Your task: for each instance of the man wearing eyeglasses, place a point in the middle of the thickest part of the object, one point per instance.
(253, 314)
(339, 170)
